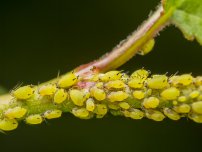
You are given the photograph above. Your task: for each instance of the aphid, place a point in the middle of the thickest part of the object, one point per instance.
(147, 47)
(126, 113)
(90, 105)
(23, 93)
(136, 83)
(60, 96)
(101, 109)
(182, 98)
(99, 85)
(194, 94)
(141, 74)
(196, 117)
(80, 113)
(68, 80)
(110, 76)
(170, 93)
(157, 82)
(117, 96)
(197, 107)
(78, 97)
(175, 102)
(198, 81)
(151, 102)
(154, 115)
(113, 106)
(171, 114)
(17, 112)
(34, 119)
(52, 114)
(116, 84)
(47, 90)
(98, 94)
(183, 108)
(124, 77)
(199, 97)
(8, 124)
(138, 94)
(124, 105)
(185, 80)
(136, 114)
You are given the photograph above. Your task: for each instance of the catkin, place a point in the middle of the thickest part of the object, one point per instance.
(137, 96)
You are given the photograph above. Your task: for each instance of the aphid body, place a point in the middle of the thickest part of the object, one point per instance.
(157, 82)
(52, 114)
(34, 119)
(68, 80)
(8, 124)
(117, 96)
(17, 112)
(47, 90)
(60, 96)
(23, 93)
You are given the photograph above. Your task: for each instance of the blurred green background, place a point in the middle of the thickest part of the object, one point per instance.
(40, 38)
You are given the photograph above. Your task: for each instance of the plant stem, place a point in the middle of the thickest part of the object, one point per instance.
(124, 51)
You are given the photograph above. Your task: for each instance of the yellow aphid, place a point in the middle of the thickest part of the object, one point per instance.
(136, 114)
(199, 97)
(68, 80)
(136, 83)
(155, 115)
(98, 94)
(16, 112)
(126, 113)
(124, 77)
(80, 113)
(94, 77)
(78, 97)
(198, 81)
(23, 93)
(196, 117)
(185, 80)
(116, 84)
(117, 96)
(157, 82)
(52, 114)
(183, 108)
(175, 102)
(47, 90)
(197, 107)
(110, 76)
(170, 93)
(113, 106)
(124, 105)
(171, 114)
(60, 96)
(90, 105)
(101, 109)
(8, 124)
(151, 102)
(141, 74)
(138, 94)
(147, 47)
(194, 94)
(182, 98)
(34, 119)
(99, 85)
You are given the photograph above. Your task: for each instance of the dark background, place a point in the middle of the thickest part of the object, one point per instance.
(40, 38)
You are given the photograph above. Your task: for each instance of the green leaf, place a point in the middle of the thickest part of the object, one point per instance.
(187, 16)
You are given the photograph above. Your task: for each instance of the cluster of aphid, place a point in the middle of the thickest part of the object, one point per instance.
(135, 96)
